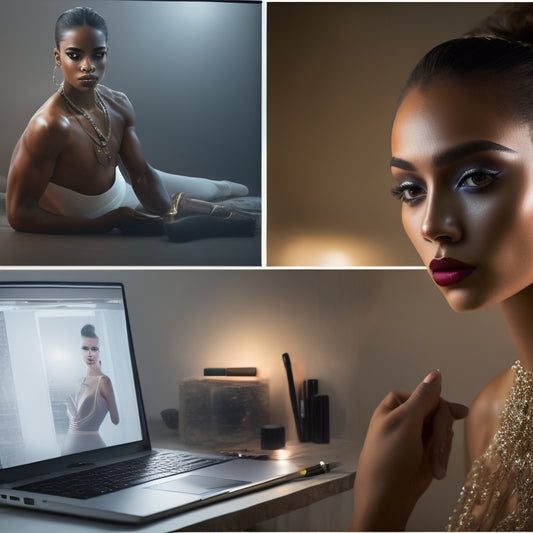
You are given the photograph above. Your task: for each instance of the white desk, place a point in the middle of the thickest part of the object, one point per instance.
(235, 514)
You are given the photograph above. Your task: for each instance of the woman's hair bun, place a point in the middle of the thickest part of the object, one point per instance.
(512, 22)
(88, 331)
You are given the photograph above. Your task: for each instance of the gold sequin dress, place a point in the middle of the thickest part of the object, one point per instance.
(498, 492)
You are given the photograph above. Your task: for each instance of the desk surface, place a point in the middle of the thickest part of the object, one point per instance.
(235, 514)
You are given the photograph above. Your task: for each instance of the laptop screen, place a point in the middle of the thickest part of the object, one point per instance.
(67, 375)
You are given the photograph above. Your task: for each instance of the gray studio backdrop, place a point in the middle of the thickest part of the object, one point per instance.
(191, 69)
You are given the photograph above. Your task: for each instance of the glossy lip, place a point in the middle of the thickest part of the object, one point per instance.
(88, 79)
(448, 271)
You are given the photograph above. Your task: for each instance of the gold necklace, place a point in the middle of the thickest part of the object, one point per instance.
(498, 492)
(101, 142)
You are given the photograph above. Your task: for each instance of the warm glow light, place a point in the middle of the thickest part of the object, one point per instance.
(323, 250)
(283, 454)
(335, 258)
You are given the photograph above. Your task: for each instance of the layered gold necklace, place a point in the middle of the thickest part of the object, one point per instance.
(498, 492)
(100, 141)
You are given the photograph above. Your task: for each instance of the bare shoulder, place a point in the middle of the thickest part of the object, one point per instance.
(120, 102)
(106, 383)
(105, 379)
(484, 415)
(45, 135)
(49, 123)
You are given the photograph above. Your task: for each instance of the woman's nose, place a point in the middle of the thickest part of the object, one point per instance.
(441, 219)
(87, 66)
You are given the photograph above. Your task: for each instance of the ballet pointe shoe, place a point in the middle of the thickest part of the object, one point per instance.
(189, 220)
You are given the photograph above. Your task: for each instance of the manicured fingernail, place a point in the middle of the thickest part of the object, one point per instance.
(433, 377)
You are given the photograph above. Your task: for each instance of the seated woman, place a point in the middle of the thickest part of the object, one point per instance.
(65, 174)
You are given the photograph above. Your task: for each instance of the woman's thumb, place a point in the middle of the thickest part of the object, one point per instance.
(425, 398)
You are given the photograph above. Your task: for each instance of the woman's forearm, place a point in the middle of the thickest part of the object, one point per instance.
(36, 220)
(151, 192)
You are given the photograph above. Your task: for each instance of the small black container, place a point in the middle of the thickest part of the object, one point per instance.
(272, 437)
(320, 418)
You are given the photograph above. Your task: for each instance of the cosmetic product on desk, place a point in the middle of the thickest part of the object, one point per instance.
(294, 399)
(315, 470)
(311, 412)
(320, 418)
(243, 371)
(272, 437)
(309, 389)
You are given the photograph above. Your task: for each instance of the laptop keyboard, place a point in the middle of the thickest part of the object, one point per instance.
(110, 478)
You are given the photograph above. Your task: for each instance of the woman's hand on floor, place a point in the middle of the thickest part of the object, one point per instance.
(132, 222)
(408, 443)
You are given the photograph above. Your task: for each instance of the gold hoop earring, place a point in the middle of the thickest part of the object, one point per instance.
(54, 79)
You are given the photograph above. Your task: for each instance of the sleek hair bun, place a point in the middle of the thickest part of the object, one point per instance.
(512, 22)
(498, 54)
(89, 331)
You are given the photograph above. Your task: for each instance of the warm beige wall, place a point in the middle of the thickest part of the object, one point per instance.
(335, 71)
(362, 333)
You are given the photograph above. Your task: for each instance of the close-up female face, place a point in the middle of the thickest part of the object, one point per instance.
(90, 350)
(82, 56)
(464, 171)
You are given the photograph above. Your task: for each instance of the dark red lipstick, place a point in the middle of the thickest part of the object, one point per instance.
(447, 271)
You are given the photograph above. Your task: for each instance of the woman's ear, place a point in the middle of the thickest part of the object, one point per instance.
(57, 57)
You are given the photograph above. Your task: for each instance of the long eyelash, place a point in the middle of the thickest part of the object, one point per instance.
(481, 171)
(494, 174)
(397, 192)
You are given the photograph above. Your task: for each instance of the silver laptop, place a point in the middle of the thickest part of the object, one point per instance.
(73, 433)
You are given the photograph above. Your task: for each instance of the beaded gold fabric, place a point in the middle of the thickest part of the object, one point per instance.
(498, 492)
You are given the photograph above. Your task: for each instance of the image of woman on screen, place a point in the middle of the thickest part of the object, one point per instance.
(79, 167)
(88, 408)
(462, 159)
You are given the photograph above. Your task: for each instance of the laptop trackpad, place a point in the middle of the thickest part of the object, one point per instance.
(198, 484)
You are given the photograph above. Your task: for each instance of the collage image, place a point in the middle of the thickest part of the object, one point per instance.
(265, 266)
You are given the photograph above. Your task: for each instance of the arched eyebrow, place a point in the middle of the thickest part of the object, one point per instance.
(401, 163)
(468, 148)
(79, 50)
(455, 153)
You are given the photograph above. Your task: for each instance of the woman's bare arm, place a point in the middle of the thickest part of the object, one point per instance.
(106, 388)
(145, 182)
(31, 169)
